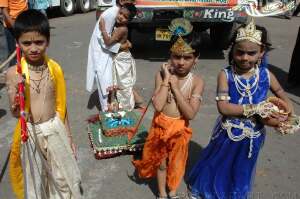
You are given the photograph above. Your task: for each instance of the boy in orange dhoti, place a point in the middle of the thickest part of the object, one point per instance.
(176, 100)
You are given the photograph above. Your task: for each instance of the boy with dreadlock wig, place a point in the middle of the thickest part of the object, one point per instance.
(177, 99)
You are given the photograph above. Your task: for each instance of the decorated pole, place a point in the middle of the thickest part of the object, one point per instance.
(21, 96)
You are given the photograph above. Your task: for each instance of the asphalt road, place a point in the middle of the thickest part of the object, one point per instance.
(278, 168)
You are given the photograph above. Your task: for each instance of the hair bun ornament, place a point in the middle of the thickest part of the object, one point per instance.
(180, 27)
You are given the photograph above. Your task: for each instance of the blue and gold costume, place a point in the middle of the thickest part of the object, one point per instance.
(227, 165)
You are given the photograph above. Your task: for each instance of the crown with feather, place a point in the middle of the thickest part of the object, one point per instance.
(249, 33)
(181, 27)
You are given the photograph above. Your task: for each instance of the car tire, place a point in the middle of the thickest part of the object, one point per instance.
(221, 34)
(67, 7)
(83, 5)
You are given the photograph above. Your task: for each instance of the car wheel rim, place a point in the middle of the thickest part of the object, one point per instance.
(68, 4)
(86, 4)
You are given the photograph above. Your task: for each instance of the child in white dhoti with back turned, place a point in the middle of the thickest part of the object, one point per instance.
(100, 55)
(124, 71)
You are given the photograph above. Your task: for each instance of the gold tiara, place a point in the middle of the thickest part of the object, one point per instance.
(181, 47)
(249, 33)
(181, 27)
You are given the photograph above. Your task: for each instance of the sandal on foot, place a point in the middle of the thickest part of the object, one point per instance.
(174, 197)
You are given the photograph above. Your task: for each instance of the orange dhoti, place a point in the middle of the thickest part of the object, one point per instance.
(168, 139)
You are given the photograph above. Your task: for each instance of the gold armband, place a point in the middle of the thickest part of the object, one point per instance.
(199, 97)
(223, 98)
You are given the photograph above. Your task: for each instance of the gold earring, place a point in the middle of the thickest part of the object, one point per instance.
(259, 61)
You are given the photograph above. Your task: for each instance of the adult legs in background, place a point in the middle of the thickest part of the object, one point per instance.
(11, 44)
(293, 76)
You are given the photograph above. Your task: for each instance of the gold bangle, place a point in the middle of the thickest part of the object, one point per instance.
(249, 110)
(223, 98)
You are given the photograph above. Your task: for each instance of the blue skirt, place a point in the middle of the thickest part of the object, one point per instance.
(224, 170)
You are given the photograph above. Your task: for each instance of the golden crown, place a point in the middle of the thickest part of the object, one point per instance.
(249, 33)
(181, 47)
(181, 27)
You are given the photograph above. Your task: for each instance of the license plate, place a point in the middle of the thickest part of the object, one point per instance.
(162, 35)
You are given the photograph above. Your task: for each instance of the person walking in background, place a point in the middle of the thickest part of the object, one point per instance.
(297, 10)
(10, 10)
(3, 45)
(293, 76)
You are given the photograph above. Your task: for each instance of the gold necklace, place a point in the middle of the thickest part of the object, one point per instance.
(37, 68)
(170, 96)
(183, 78)
(37, 83)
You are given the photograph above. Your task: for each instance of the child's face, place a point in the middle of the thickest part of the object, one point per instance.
(123, 16)
(33, 45)
(246, 54)
(183, 63)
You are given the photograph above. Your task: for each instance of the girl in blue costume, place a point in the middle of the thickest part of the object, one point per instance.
(227, 165)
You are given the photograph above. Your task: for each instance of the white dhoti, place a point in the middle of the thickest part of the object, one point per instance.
(63, 179)
(99, 65)
(124, 76)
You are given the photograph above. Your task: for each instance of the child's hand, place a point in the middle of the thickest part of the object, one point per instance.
(129, 44)
(73, 147)
(19, 79)
(165, 69)
(102, 25)
(126, 46)
(173, 80)
(16, 104)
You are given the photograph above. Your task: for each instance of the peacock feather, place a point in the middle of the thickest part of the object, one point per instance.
(180, 27)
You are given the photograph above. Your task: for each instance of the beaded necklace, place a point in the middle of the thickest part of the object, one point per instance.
(245, 89)
(187, 84)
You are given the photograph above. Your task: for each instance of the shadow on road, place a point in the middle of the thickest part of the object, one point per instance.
(94, 101)
(2, 113)
(194, 154)
(152, 183)
(282, 77)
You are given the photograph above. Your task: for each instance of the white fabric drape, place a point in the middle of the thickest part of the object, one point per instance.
(99, 63)
(57, 153)
(124, 76)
